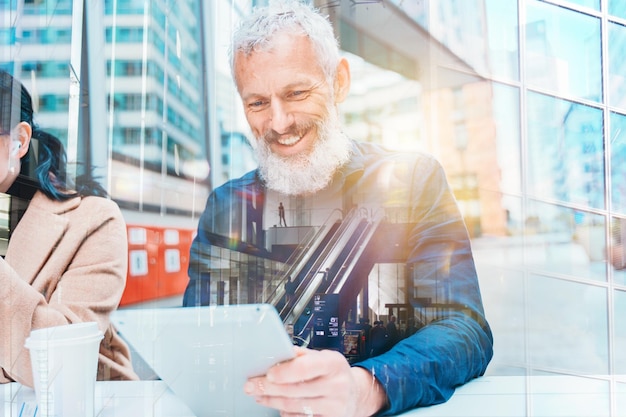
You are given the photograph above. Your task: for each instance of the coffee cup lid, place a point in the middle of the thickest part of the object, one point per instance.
(64, 334)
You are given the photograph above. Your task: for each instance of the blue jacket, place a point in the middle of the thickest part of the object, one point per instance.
(456, 345)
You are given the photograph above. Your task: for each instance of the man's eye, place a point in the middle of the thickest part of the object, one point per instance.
(257, 104)
(299, 94)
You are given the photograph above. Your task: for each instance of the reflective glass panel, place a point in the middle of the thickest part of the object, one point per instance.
(506, 117)
(565, 241)
(594, 4)
(617, 65)
(620, 332)
(393, 118)
(564, 335)
(503, 38)
(618, 167)
(38, 52)
(617, 8)
(563, 51)
(620, 399)
(50, 8)
(159, 151)
(499, 262)
(617, 249)
(565, 151)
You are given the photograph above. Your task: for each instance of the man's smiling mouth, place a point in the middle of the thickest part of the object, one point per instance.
(289, 140)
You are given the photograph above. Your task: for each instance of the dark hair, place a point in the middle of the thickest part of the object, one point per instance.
(50, 161)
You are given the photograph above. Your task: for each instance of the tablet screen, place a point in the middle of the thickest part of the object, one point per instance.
(205, 354)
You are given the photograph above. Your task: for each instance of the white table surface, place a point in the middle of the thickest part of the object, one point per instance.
(536, 396)
(112, 399)
(491, 396)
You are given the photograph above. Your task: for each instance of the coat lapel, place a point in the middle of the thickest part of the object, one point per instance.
(37, 234)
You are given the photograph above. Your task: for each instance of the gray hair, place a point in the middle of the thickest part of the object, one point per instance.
(255, 32)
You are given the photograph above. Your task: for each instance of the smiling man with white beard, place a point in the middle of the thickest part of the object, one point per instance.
(291, 79)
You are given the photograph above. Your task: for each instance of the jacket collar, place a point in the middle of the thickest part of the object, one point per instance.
(38, 234)
(349, 172)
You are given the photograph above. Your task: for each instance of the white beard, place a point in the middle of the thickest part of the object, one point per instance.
(310, 172)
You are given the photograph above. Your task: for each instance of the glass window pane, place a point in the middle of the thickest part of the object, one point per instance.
(393, 119)
(458, 25)
(50, 8)
(620, 332)
(503, 38)
(563, 51)
(618, 197)
(594, 4)
(565, 241)
(506, 117)
(620, 399)
(617, 65)
(618, 167)
(43, 70)
(157, 134)
(617, 249)
(617, 8)
(499, 262)
(565, 335)
(565, 151)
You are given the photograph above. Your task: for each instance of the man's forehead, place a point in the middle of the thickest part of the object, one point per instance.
(279, 41)
(282, 68)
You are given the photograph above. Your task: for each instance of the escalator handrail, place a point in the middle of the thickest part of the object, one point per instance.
(300, 255)
(336, 285)
(307, 276)
(310, 281)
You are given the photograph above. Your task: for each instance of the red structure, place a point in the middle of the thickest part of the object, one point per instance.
(158, 258)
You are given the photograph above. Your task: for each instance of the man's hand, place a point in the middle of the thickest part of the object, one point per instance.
(318, 383)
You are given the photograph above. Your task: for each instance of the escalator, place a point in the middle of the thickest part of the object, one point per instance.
(310, 276)
(304, 255)
(347, 270)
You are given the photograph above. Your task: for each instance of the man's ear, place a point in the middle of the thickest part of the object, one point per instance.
(22, 134)
(342, 80)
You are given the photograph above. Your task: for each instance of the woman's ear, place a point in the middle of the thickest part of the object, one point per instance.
(21, 139)
(342, 80)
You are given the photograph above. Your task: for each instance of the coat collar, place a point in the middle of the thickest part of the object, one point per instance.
(41, 202)
(350, 172)
(38, 233)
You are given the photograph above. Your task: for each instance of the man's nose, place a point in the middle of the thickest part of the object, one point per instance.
(282, 119)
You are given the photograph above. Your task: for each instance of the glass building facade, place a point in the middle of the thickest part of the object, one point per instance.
(523, 102)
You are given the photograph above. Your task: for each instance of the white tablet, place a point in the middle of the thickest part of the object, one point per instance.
(205, 354)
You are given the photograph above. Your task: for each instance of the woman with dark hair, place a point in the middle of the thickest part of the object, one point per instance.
(66, 260)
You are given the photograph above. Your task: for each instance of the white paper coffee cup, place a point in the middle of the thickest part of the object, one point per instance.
(65, 363)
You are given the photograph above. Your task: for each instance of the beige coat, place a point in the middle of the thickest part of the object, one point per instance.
(66, 263)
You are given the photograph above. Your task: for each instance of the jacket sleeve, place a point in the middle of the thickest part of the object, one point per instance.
(82, 280)
(456, 344)
(19, 301)
(198, 290)
(220, 225)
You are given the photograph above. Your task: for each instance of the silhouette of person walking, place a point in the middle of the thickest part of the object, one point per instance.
(393, 335)
(326, 274)
(290, 289)
(378, 338)
(281, 214)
